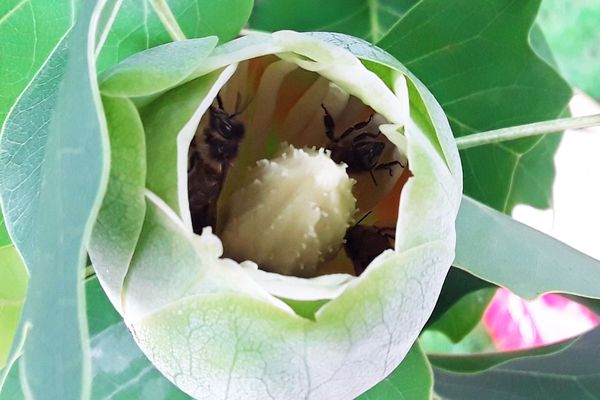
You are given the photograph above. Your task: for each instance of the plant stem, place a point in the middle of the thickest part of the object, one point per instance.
(168, 19)
(374, 20)
(522, 131)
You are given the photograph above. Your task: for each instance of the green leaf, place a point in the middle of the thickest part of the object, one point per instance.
(12, 389)
(457, 284)
(4, 238)
(366, 19)
(30, 31)
(570, 374)
(499, 249)
(13, 285)
(471, 363)
(476, 60)
(137, 27)
(463, 316)
(52, 159)
(476, 341)
(120, 370)
(412, 380)
(571, 29)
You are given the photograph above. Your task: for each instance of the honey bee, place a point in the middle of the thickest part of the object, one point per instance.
(365, 242)
(209, 163)
(359, 152)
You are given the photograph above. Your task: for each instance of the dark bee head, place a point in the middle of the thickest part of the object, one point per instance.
(367, 154)
(225, 125)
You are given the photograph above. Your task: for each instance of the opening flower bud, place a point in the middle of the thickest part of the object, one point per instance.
(291, 214)
(197, 244)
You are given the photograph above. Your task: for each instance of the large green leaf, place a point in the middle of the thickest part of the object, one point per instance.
(12, 389)
(412, 380)
(29, 30)
(52, 174)
(571, 29)
(476, 59)
(571, 374)
(120, 371)
(499, 249)
(13, 284)
(137, 26)
(366, 19)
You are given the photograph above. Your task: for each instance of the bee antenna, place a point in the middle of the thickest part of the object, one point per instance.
(244, 107)
(363, 218)
(220, 101)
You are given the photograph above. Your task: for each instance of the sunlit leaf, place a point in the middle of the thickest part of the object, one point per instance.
(52, 158)
(571, 374)
(13, 284)
(4, 238)
(137, 26)
(499, 249)
(571, 29)
(29, 30)
(476, 59)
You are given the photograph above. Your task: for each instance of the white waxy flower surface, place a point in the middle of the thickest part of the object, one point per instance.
(223, 330)
(291, 214)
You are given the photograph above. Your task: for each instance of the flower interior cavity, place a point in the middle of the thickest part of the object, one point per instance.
(283, 166)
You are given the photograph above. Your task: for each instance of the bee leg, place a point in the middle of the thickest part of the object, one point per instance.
(356, 127)
(329, 125)
(238, 101)
(373, 176)
(388, 232)
(388, 166)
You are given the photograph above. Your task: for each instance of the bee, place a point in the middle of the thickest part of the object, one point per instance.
(209, 163)
(359, 152)
(363, 243)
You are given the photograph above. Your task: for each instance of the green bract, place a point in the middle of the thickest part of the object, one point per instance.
(219, 329)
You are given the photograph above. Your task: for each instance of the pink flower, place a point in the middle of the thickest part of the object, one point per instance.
(515, 323)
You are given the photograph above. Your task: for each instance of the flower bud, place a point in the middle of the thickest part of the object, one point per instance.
(292, 213)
